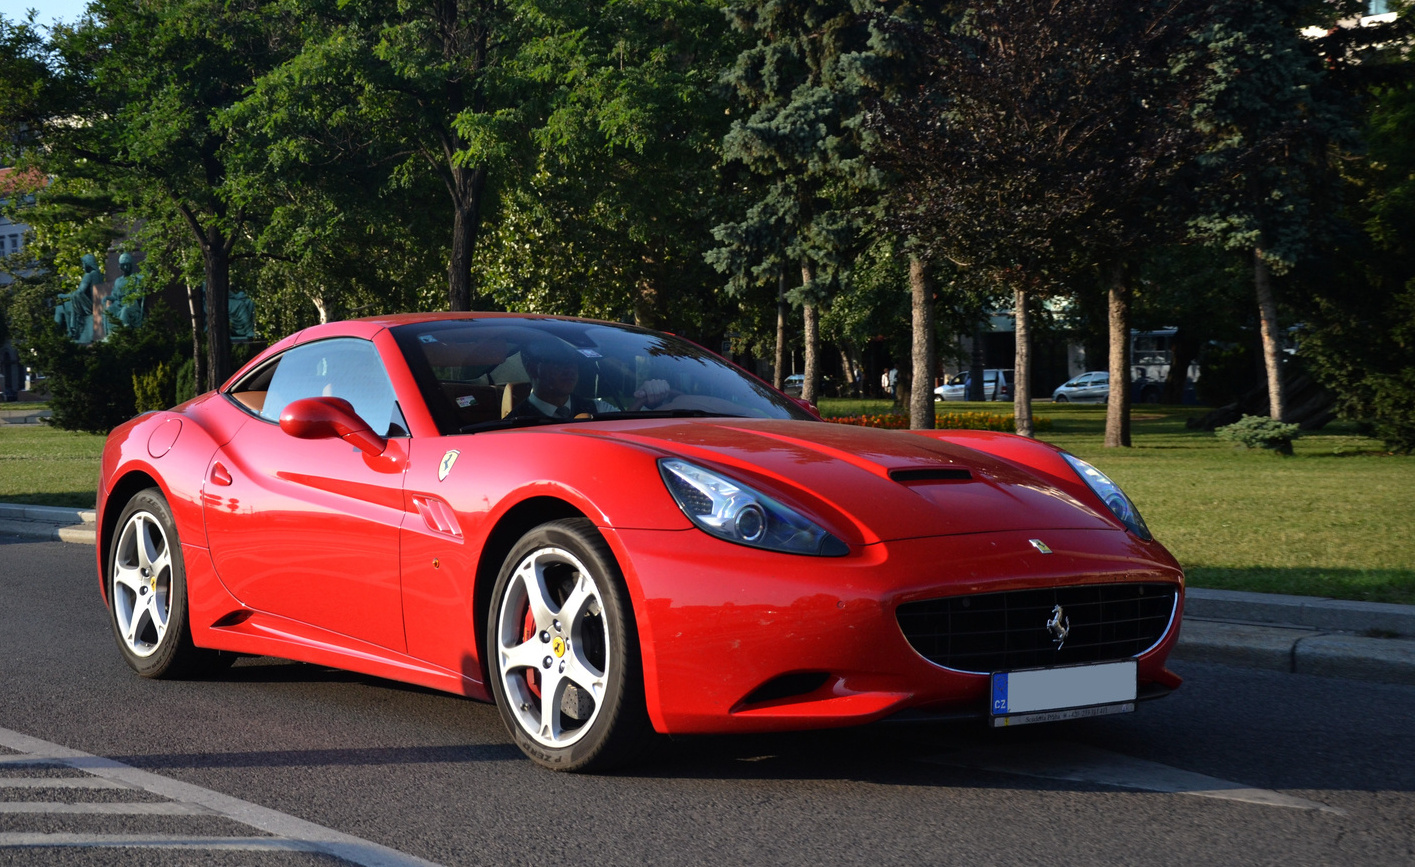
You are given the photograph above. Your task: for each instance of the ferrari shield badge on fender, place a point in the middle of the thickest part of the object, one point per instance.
(446, 466)
(1038, 544)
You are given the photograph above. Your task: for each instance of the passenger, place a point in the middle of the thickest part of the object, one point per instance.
(554, 369)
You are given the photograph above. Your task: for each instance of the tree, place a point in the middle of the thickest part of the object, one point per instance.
(1042, 137)
(1358, 303)
(803, 153)
(1274, 124)
(131, 99)
(632, 113)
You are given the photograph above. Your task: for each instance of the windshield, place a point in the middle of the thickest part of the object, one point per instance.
(509, 372)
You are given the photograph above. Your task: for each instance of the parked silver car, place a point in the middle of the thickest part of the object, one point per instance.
(1093, 386)
(997, 385)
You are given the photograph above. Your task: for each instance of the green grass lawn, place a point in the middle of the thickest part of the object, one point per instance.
(41, 466)
(1336, 519)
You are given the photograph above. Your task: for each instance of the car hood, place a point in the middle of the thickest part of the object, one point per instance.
(883, 484)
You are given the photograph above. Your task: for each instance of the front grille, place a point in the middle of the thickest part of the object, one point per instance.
(1006, 631)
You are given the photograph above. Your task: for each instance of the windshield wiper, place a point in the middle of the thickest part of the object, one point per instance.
(523, 421)
(534, 421)
(667, 413)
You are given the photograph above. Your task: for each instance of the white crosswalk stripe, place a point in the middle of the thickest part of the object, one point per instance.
(287, 833)
(58, 783)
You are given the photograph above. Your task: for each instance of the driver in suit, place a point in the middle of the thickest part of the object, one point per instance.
(554, 369)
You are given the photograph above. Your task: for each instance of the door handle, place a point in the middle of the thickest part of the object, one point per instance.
(220, 475)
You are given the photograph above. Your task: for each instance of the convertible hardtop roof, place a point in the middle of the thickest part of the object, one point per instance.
(368, 326)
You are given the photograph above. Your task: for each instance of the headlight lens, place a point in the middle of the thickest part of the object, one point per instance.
(732, 511)
(1111, 495)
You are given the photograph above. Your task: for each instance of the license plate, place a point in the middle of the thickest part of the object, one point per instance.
(1072, 692)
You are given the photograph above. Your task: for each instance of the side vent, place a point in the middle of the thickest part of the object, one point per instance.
(234, 618)
(786, 686)
(437, 515)
(931, 474)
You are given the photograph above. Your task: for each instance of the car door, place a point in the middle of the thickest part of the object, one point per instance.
(308, 528)
(1097, 387)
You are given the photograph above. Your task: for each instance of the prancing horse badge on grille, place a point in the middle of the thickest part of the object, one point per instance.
(1059, 626)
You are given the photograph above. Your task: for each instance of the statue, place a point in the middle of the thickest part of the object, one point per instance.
(240, 316)
(124, 304)
(75, 309)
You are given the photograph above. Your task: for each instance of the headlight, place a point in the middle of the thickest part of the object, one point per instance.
(1111, 495)
(735, 512)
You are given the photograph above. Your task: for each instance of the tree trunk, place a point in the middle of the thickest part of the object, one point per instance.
(921, 395)
(1117, 411)
(782, 309)
(196, 307)
(1183, 349)
(216, 253)
(977, 364)
(467, 186)
(1022, 375)
(847, 364)
(1272, 346)
(810, 336)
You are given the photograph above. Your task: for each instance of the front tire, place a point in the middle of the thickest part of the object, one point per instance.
(1061, 398)
(147, 593)
(563, 651)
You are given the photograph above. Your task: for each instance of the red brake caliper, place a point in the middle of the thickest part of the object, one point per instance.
(532, 675)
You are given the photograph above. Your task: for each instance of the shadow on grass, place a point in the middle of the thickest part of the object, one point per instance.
(1362, 585)
(67, 499)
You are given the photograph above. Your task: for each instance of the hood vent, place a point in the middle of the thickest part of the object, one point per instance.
(930, 474)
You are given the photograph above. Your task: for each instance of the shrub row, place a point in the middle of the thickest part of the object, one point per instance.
(945, 421)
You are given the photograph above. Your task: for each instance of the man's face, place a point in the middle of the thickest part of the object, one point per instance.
(556, 380)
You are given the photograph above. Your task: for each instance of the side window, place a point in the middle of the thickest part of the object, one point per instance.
(343, 367)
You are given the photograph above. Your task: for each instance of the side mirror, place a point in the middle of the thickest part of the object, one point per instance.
(808, 406)
(316, 418)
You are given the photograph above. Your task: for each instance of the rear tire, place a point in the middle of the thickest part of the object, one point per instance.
(147, 594)
(563, 652)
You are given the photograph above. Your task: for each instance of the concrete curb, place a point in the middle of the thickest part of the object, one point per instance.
(50, 523)
(1298, 651)
(1312, 612)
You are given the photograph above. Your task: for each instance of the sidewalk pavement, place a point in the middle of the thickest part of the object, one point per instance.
(1368, 641)
(23, 416)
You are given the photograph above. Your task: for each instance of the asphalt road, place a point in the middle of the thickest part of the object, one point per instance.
(1238, 767)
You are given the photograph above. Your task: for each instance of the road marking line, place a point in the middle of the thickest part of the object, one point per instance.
(29, 761)
(1078, 763)
(314, 838)
(58, 783)
(109, 808)
(155, 841)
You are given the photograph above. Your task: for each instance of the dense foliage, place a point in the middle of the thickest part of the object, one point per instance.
(844, 183)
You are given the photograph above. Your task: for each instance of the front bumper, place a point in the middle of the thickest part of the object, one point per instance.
(732, 635)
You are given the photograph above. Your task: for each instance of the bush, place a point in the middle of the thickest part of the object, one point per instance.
(1260, 432)
(156, 389)
(1393, 409)
(186, 381)
(945, 421)
(93, 386)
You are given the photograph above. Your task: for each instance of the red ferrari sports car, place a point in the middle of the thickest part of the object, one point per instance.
(609, 531)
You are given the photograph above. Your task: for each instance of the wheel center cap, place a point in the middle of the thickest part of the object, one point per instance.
(558, 646)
